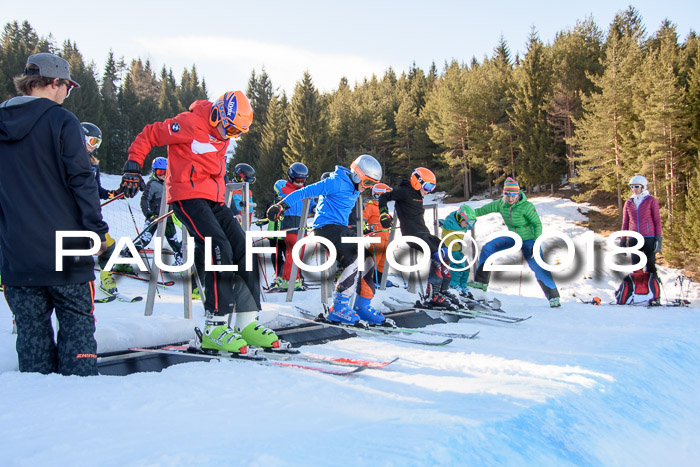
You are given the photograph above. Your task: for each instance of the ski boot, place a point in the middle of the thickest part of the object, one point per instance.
(218, 336)
(178, 260)
(340, 311)
(107, 283)
(299, 285)
(365, 311)
(478, 291)
(253, 332)
(279, 284)
(125, 269)
(453, 297)
(554, 302)
(437, 300)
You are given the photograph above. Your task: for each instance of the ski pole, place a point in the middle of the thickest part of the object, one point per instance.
(119, 196)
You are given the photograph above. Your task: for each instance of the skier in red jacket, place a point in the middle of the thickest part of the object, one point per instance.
(197, 142)
(641, 214)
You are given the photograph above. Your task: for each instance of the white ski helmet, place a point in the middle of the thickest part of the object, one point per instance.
(639, 180)
(366, 170)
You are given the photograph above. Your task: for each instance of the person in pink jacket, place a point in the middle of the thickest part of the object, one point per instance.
(641, 214)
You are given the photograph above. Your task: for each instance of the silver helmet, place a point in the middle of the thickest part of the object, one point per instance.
(366, 170)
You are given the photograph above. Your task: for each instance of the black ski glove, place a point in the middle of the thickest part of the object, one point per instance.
(131, 180)
(658, 244)
(276, 211)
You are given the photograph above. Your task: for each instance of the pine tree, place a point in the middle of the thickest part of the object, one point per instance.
(308, 133)
(537, 158)
(576, 56)
(111, 156)
(605, 133)
(271, 164)
(260, 94)
(84, 102)
(16, 45)
(662, 129)
(450, 123)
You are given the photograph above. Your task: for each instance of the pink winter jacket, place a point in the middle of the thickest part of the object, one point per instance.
(645, 220)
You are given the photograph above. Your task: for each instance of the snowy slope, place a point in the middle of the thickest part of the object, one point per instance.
(575, 385)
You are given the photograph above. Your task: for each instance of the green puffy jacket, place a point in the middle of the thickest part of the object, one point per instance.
(520, 218)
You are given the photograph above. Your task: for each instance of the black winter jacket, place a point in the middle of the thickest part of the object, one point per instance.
(46, 185)
(409, 208)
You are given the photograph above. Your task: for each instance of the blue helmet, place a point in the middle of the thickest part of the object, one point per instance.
(160, 163)
(297, 170)
(278, 186)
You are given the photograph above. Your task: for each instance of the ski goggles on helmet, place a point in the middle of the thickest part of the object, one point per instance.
(367, 182)
(93, 141)
(635, 186)
(160, 172)
(299, 180)
(243, 178)
(427, 186)
(232, 131)
(470, 222)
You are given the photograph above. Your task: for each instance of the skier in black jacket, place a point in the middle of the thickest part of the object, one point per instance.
(46, 185)
(408, 199)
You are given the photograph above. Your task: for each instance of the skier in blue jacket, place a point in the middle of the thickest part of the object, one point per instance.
(340, 192)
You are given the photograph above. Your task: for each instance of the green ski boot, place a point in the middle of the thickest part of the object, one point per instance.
(255, 333)
(258, 335)
(219, 336)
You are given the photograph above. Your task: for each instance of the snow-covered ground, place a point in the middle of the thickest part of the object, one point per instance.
(605, 385)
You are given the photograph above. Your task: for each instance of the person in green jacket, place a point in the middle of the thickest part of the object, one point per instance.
(521, 218)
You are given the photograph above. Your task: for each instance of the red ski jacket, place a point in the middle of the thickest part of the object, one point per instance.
(645, 219)
(196, 155)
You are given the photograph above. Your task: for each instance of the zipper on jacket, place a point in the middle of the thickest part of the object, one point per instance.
(192, 172)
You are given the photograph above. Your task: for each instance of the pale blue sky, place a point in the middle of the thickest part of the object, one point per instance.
(227, 40)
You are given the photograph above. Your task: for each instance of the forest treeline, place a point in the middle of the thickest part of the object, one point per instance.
(593, 107)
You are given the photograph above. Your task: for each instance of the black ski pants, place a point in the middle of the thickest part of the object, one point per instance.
(75, 351)
(223, 290)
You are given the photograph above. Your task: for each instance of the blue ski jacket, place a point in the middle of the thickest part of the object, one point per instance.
(339, 195)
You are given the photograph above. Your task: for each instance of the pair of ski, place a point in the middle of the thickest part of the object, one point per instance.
(283, 290)
(144, 279)
(388, 331)
(111, 296)
(482, 310)
(288, 357)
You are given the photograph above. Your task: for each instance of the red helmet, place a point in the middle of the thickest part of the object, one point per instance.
(423, 178)
(234, 112)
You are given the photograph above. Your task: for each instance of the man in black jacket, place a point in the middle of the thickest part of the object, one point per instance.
(408, 201)
(46, 185)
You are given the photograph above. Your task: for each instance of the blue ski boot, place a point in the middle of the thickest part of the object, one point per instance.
(365, 311)
(340, 311)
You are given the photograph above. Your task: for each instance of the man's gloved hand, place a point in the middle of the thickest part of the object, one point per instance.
(385, 219)
(276, 211)
(658, 244)
(131, 180)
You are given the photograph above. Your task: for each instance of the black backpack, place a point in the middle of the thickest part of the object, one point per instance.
(638, 288)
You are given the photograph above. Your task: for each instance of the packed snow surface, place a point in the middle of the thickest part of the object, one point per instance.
(582, 384)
